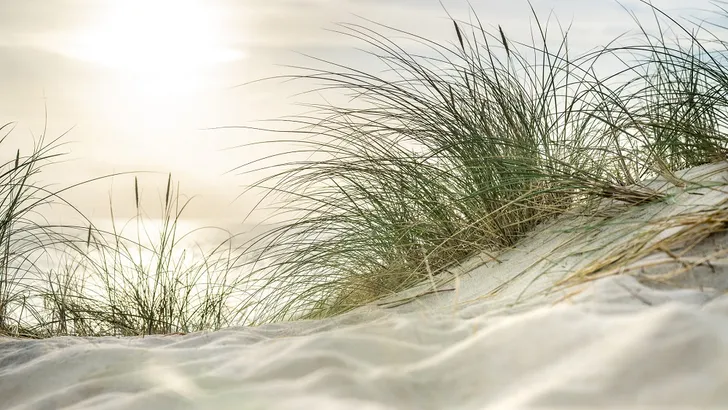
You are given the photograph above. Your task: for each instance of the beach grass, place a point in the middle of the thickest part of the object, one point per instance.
(88, 281)
(152, 281)
(464, 146)
(435, 152)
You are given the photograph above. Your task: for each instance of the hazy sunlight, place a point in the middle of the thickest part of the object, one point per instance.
(160, 58)
(155, 37)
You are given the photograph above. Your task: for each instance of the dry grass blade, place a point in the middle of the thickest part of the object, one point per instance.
(673, 237)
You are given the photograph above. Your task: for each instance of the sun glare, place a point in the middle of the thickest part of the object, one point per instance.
(155, 37)
(156, 63)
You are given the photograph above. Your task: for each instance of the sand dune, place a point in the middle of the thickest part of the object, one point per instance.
(513, 334)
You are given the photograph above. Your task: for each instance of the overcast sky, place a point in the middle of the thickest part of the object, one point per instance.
(140, 80)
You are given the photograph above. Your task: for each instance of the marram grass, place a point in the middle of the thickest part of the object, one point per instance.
(464, 146)
(440, 151)
(86, 281)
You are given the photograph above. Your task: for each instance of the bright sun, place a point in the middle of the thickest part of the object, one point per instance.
(161, 59)
(155, 37)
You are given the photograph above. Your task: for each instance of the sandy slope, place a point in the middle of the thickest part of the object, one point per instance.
(501, 336)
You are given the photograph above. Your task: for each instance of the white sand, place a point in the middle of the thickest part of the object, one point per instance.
(505, 338)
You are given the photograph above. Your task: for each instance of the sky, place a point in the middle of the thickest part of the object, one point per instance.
(141, 84)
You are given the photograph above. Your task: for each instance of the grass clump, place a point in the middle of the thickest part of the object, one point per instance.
(90, 281)
(151, 282)
(24, 237)
(467, 146)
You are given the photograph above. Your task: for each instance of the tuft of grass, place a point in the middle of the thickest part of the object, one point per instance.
(87, 281)
(24, 237)
(154, 282)
(458, 148)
